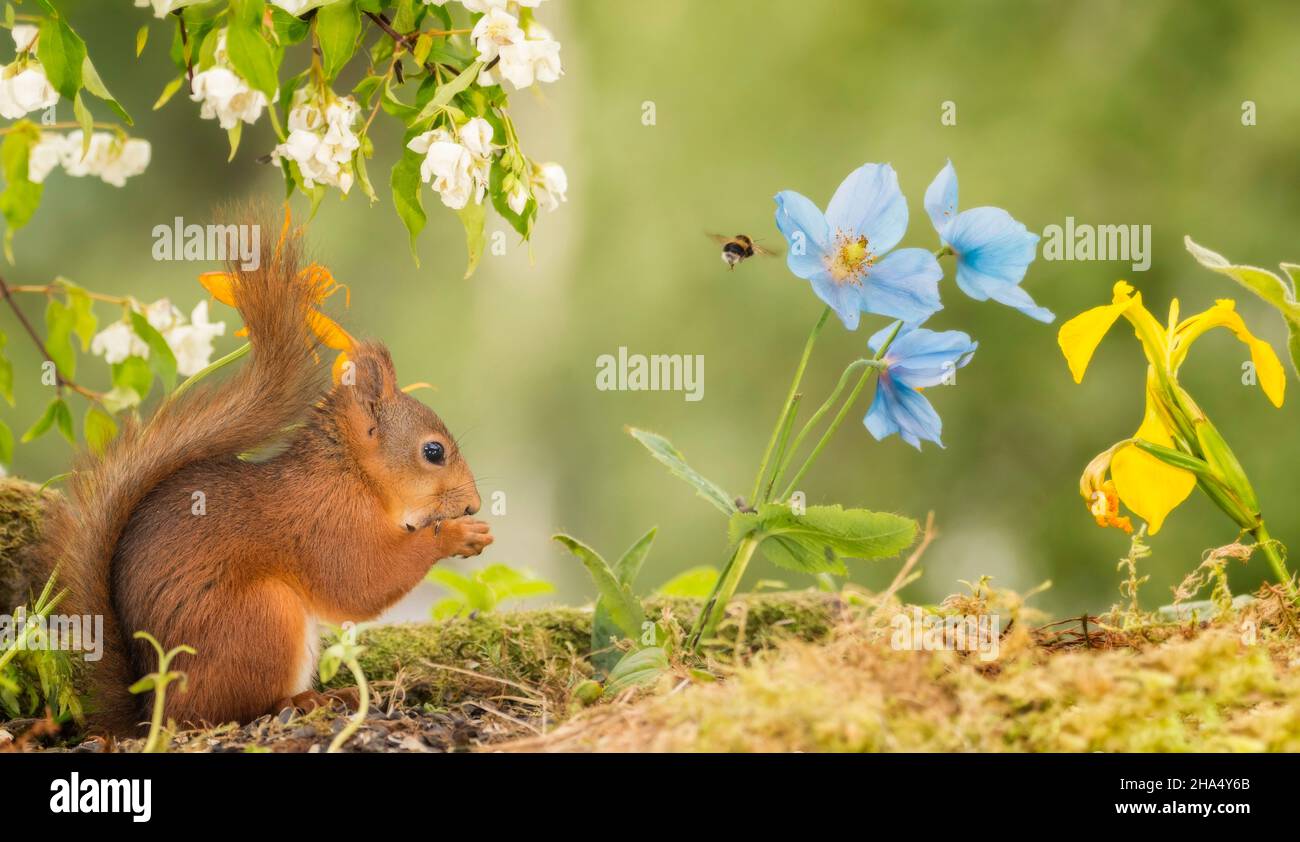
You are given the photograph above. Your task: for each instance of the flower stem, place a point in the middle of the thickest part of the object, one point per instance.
(1275, 560)
(784, 462)
(363, 707)
(794, 389)
(725, 588)
(844, 411)
(208, 369)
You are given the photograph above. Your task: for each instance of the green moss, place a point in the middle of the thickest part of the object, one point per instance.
(544, 650)
(22, 505)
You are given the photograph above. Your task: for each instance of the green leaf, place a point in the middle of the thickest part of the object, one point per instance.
(819, 540)
(695, 583)
(1293, 344)
(251, 55)
(84, 322)
(161, 358)
(90, 78)
(141, 38)
(507, 583)
(663, 450)
(59, 323)
(169, 91)
(289, 29)
(48, 418)
(85, 119)
(474, 595)
(21, 196)
(521, 222)
(62, 54)
(637, 668)
(99, 428)
(1262, 282)
(6, 444)
(448, 90)
(338, 28)
(406, 184)
(473, 216)
(624, 609)
(133, 373)
(603, 628)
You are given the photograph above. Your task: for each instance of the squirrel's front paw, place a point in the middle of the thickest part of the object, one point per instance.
(463, 536)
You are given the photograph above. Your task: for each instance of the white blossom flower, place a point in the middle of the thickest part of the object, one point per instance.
(534, 58)
(476, 135)
(190, 341)
(163, 8)
(496, 29)
(322, 143)
(517, 198)
(112, 159)
(24, 88)
(25, 36)
(476, 6)
(550, 183)
(45, 155)
(117, 342)
(457, 167)
(226, 97)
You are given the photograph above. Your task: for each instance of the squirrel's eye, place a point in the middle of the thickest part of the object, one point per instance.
(433, 452)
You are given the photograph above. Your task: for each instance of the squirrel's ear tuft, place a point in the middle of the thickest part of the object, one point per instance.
(376, 380)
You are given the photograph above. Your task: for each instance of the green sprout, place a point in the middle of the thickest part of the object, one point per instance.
(158, 682)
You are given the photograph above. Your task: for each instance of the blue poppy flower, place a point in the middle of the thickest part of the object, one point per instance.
(917, 358)
(993, 250)
(845, 252)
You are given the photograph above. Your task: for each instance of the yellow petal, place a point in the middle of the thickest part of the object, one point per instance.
(336, 371)
(330, 333)
(1080, 336)
(220, 285)
(1268, 368)
(1149, 487)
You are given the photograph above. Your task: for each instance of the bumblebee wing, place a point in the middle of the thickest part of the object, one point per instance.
(768, 252)
(721, 239)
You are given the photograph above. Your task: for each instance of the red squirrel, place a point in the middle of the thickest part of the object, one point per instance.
(368, 491)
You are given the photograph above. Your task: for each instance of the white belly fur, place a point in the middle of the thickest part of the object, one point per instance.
(306, 676)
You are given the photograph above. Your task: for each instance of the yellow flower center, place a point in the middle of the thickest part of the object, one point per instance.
(850, 259)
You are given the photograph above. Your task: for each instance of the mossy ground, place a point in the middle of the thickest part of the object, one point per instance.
(791, 671)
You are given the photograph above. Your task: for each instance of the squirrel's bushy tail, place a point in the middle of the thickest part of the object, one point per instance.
(272, 390)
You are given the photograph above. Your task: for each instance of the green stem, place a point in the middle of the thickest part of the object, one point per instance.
(844, 411)
(363, 707)
(784, 462)
(782, 447)
(794, 389)
(211, 367)
(715, 606)
(1275, 560)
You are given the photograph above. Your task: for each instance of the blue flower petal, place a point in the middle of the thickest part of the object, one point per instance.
(923, 358)
(993, 253)
(905, 285)
(903, 410)
(804, 228)
(941, 199)
(844, 299)
(869, 203)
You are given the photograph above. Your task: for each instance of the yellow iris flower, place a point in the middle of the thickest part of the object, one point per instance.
(1148, 485)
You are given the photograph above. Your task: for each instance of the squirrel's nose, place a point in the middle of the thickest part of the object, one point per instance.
(472, 508)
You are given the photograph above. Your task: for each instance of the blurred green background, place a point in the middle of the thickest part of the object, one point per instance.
(1110, 112)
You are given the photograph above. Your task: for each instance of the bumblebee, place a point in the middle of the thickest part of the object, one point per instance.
(739, 248)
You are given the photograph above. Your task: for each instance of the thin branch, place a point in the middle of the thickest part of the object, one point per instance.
(189, 59)
(59, 379)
